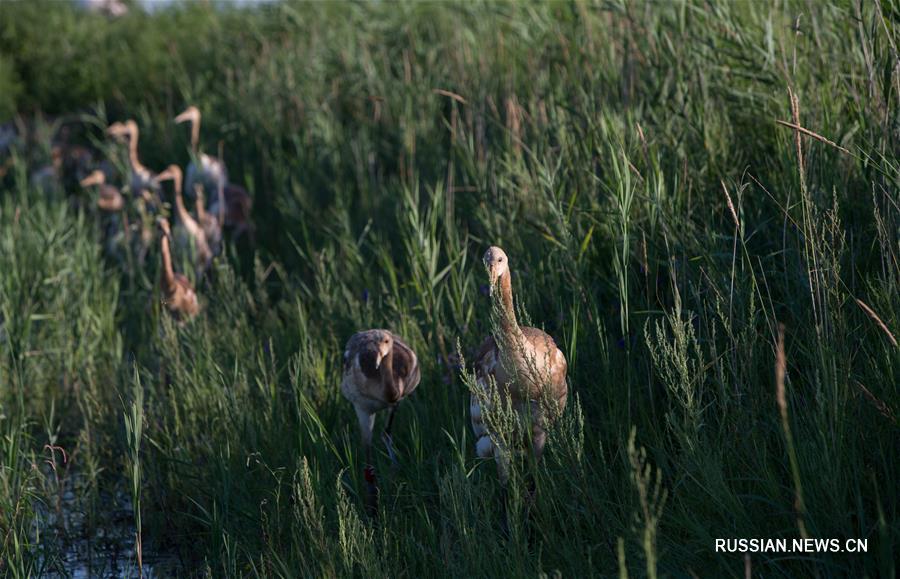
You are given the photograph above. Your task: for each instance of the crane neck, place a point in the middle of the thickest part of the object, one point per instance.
(201, 210)
(508, 323)
(133, 152)
(391, 392)
(195, 136)
(183, 214)
(168, 275)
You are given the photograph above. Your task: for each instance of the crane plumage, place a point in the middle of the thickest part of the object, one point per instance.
(179, 296)
(143, 181)
(380, 370)
(109, 198)
(111, 202)
(527, 367)
(210, 222)
(193, 229)
(204, 169)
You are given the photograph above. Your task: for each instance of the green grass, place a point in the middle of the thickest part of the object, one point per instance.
(659, 222)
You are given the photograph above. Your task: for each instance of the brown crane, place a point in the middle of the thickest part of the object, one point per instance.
(204, 169)
(525, 365)
(193, 229)
(380, 370)
(178, 295)
(142, 179)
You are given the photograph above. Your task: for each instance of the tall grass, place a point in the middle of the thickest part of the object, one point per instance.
(661, 226)
(134, 425)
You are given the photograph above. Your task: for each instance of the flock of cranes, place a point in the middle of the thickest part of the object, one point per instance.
(518, 367)
(202, 236)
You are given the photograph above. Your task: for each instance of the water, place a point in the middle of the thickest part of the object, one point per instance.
(92, 537)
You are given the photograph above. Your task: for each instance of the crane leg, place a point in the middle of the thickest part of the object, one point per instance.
(366, 424)
(371, 500)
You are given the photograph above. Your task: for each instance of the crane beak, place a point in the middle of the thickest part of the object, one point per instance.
(187, 115)
(92, 179)
(383, 351)
(163, 176)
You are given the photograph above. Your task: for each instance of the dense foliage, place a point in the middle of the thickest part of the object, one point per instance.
(660, 223)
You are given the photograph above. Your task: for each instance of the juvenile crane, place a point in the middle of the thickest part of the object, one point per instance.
(380, 370)
(197, 234)
(142, 179)
(143, 184)
(111, 202)
(526, 366)
(205, 169)
(108, 197)
(210, 222)
(179, 296)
